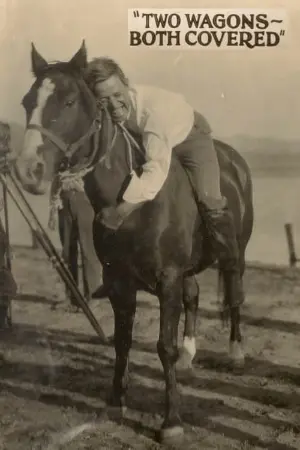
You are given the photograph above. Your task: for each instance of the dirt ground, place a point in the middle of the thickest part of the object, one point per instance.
(55, 376)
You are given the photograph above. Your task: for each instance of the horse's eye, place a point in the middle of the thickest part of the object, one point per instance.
(69, 103)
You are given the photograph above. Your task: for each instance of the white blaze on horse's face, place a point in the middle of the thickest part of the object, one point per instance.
(33, 138)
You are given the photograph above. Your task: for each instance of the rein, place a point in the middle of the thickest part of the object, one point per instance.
(68, 149)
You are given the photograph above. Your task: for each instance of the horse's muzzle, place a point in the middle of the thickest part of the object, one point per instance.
(31, 174)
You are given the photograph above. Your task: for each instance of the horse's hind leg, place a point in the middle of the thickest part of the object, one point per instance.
(236, 353)
(190, 302)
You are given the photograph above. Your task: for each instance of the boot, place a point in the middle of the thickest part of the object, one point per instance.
(101, 292)
(221, 229)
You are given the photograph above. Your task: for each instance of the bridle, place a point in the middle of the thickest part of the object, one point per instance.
(71, 177)
(69, 150)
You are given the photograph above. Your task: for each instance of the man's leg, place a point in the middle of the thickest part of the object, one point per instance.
(198, 156)
(84, 213)
(69, 237)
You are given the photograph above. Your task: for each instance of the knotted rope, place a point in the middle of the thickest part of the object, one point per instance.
(63, 182)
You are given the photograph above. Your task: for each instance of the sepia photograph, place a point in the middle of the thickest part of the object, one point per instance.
(149, 225)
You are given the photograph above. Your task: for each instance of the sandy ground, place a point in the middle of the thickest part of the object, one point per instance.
(55, 376)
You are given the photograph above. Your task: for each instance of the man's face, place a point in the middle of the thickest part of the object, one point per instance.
(114, 94)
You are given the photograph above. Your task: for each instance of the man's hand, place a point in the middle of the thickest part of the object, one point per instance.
(112, 217)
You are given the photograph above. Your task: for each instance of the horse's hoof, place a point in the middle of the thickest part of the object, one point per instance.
(238, 366)
(172, 436)
(115, 407)
(67, 308)
(115, 413)
(184, 366)
(237, 358)
(185, 373)
(74, 309)
(110, 340)
(101, 292)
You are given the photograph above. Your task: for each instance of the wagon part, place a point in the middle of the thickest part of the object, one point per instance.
(50, 250)
(43, 239)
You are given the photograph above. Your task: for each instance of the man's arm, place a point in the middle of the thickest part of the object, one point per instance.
(156, 168)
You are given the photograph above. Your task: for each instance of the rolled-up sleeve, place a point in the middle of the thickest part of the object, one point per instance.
(156, 169)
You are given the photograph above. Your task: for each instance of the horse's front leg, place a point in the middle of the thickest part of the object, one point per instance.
(236, 352)
(170, 297)
(123, 300)
(190, 301)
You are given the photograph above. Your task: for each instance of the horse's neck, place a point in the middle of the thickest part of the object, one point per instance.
(110, 177)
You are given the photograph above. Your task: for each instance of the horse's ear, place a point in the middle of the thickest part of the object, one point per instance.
(38, 63)
(79, 60)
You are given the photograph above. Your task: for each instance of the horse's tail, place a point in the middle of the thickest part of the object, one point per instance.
(223, 306)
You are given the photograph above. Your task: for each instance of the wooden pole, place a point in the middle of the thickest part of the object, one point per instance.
(291, 245)
(34, 241)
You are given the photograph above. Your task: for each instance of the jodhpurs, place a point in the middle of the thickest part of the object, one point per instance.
(198, 156)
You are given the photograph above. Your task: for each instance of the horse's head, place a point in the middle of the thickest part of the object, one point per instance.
(60, 113)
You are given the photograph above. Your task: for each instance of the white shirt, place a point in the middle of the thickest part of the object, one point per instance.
(164, 120)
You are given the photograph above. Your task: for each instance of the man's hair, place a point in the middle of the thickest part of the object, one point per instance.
(100, 69)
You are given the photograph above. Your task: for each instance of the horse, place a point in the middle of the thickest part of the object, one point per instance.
(160, 247)
(74, 229)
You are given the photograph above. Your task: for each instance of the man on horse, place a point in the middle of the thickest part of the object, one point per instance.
(165, 121)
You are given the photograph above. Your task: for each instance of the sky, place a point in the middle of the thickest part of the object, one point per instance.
(254, 92)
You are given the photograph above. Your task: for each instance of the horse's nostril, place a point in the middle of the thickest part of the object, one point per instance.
(28, 173)
(39, 171)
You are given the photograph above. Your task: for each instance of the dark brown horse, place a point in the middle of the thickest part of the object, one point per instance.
(160, 247)
(75, 223)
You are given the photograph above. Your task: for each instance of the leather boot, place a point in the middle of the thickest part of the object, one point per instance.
(101, 292)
